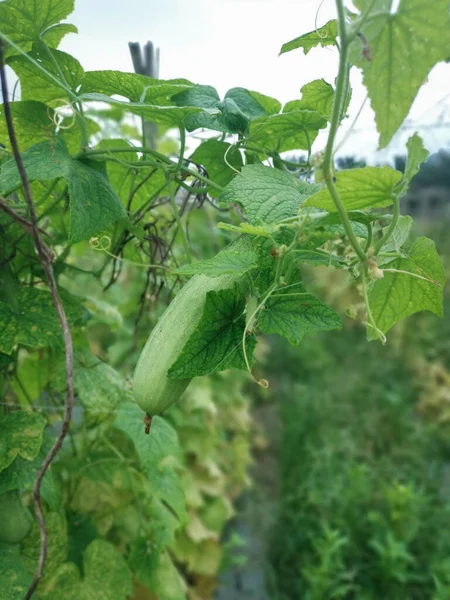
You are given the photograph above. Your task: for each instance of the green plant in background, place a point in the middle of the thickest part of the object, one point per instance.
(96, 235)
(366, 506)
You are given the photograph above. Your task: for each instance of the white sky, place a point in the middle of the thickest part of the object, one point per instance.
(228, 43)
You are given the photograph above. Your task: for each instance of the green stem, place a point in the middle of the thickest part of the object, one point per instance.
(395, 217)
(48, 192)
(369, 238)
(182, 147)
(334, 125)
(176, 214)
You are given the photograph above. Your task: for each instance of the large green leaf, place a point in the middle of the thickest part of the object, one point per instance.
(20, 435)
(135, 87)
(93, 203)
(169, 116)
(369, 187)
(294, 314)
(266, 194)
(36, 85)
(293, 130)
(324, 36)
(404, 46)
(210, 155)
(216, 343)
(28, 21)
(398, 295)
(36, 327)
(223, 263)
(106, 576)
(206, 97)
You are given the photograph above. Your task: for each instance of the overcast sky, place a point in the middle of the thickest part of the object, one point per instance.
(228, 43)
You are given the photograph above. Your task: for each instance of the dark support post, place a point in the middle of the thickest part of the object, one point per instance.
(146, 64)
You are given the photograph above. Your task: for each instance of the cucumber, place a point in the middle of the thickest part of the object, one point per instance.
(16, 518)
(153, 390)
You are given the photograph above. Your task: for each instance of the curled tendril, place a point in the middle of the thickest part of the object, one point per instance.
(56, 117)
(102, 244)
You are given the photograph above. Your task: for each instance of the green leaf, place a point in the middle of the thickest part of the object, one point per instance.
(106, 575)
(162, 115)
(206, 97)
(156, 571)
(36, 85)
(14, 578)
(266, 194)
(370, 187)
(404, 48)
(294, 130)
(210, 155)
(319, 257)
(58, 543)
(153, 448)
(398, 295)
(93, 203)
(317, 95)
(324, 36)
(223, 263)
(36, 326)
(32, 123)
(137, 88)
(28, 21)
(399, 236)
(216, 343)
(293, 315)
(21, 474)
(99, 386)
(238, 108)
(417, 154)
(20, 435)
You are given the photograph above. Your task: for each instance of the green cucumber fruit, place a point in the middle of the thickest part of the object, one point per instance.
(154, 391)
(16, 518)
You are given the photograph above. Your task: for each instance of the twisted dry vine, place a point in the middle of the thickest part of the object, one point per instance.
(45, 257)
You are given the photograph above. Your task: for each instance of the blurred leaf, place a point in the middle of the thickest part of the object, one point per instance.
(14, 578)
(317, 95)
(21, 435)
(152, 448)
(106, 575)
(37, 327)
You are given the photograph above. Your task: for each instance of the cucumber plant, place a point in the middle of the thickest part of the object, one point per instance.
(104, 209)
